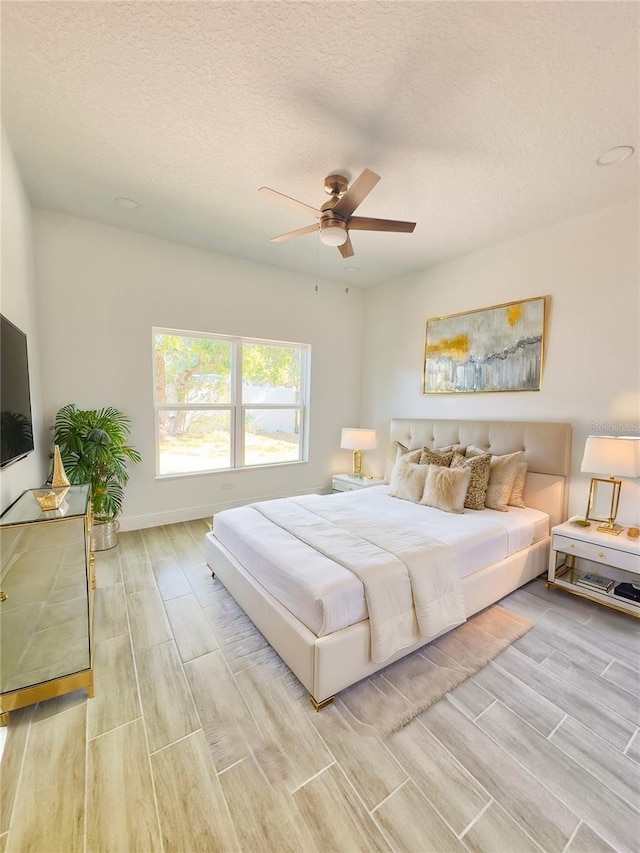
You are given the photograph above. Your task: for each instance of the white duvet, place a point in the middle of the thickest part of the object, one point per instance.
(411, 583)
(335, 559)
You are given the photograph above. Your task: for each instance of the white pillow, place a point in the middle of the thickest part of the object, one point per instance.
(446, 488)
(408, 478)
(399, 451)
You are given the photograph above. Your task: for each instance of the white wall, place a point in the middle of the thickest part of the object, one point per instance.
(100, 291)
(18, 304)
(591, 377)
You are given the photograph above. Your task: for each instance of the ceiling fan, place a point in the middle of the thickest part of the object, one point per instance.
(335, 217)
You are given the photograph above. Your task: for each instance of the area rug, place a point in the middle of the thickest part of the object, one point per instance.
(390, 699)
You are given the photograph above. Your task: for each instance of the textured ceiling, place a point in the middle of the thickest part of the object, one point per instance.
(484, 119)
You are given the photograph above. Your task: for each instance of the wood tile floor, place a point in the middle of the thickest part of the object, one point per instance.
(200, 739)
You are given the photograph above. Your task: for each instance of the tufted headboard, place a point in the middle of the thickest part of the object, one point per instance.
(547, 449)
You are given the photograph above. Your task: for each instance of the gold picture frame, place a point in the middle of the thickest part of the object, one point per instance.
(604, 499)
(500, 348)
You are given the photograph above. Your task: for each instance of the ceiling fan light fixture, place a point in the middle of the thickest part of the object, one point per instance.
(334, 234)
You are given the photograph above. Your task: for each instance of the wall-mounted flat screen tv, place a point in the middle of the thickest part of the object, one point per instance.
(16, 428)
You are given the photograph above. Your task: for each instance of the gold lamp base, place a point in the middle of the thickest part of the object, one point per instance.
(357, 463)
(610, 527)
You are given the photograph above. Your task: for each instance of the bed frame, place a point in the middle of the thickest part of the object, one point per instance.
(326, 665)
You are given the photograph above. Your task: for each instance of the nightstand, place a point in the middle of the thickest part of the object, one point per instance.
(577, 551)
(349, 483)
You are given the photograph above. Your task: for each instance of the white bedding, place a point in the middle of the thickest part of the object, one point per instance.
(325, 595)
(411, 582)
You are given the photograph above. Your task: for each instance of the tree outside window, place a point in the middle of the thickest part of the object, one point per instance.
(224, 402)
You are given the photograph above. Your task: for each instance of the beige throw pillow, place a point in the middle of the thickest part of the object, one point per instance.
(480, 467)
(433, 457)
(504, 470)
(517, 492)
(458, 448)
(445, 488)
(407, 479)
(472, 451)
(399, 450)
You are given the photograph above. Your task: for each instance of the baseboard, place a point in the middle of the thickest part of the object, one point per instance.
(139, 522)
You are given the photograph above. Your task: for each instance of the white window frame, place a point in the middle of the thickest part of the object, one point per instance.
(236, 408)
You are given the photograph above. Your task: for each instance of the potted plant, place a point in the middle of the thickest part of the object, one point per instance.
(94, 450)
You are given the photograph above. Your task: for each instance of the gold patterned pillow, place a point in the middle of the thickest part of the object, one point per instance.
(434, 457)
(480, 467)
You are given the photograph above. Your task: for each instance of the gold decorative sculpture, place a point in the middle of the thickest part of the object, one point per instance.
(60, 478)
(52, 498)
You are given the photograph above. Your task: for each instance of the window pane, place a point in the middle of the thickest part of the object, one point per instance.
(271, 435)
(192, 370)
(193, 440)
(271, 373)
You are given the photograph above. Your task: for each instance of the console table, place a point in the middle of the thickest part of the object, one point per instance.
(47, 580)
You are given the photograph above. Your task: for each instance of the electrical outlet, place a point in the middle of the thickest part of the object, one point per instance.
(227, 486)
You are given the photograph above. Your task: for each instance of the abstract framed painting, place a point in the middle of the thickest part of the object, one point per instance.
(500, 348)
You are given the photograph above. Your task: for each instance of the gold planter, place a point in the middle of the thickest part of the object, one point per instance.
(104, 535)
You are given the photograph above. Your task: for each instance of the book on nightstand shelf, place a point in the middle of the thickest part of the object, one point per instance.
(628, 590)
(595, 582)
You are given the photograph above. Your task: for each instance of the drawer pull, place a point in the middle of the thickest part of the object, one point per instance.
(572, 545)
(600, 553)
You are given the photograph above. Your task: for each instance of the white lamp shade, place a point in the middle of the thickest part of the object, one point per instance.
(611, 455)
(358, 439)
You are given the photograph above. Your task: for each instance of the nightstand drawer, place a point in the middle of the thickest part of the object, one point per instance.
(341, 486)
(348, 483)
(596, 553)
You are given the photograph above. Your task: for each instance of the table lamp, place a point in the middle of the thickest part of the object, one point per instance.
(616, 456)
(358, 440)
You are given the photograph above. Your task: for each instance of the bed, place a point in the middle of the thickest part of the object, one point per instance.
(307, 597)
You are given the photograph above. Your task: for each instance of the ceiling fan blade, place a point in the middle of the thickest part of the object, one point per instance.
(346, 250)
(364, 223)
(300, 205)
(297, 233)
(356, 193)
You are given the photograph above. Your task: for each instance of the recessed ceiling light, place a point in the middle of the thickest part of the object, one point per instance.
(615, 155)
(129, 203)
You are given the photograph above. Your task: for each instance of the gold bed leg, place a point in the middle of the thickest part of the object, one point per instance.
(320, 705)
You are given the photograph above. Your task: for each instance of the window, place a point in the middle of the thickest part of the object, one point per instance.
(223, 402)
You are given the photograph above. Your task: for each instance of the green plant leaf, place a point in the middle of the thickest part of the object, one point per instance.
(93, 449)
